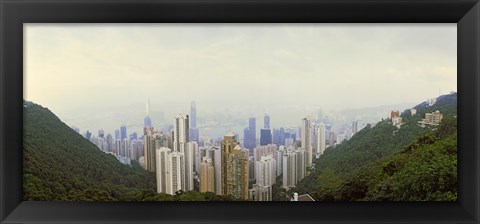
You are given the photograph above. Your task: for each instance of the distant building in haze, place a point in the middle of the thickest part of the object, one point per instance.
(321, 139)
(123, 132)
(250, 134)
(194, 133)
(265, 137)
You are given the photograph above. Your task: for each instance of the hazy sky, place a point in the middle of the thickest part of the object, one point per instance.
(84, 67)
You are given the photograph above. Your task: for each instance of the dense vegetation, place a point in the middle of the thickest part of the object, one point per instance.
(387, 163)
(60, 164)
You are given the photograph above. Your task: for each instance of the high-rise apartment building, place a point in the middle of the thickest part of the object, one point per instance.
(306, 139)
(189, 161)
(266, 171)
(321, 139)
(228, 143)
(162, 168)
(293, 166)
(152, 140)
(182, 144)
(207, 175)
(175, 172)
(237, 173)
(180, 133)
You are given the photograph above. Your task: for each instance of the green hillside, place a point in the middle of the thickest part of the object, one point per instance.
(60, 164)
(383, 162)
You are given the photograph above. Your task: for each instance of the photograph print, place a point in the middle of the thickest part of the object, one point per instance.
(240, 112)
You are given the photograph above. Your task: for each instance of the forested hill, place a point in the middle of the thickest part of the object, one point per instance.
(389, 163)
(60, 164)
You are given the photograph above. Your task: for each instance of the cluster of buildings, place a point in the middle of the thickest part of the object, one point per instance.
(432, 119)
(243, 168)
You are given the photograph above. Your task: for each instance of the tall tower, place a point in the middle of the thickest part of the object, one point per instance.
(266, 121)
(194, 136)
(180, 132)
(250, 134)
(227, 145)
(147, 122)
(123, 132)
(162, 169)
(193, 114)
(265, 132)
(321, 139)
(237, 173)
(306, 139)
(182, 145)
(189, 158)
(207, 175)
(176, 172)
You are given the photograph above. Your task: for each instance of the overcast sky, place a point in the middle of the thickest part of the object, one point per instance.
(85, 67)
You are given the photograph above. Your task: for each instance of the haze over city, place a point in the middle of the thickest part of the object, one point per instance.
(99, 76)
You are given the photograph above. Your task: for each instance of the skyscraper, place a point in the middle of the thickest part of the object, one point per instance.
(147, 122)
(265, 170)
(181, 144)
(189, 161)
(194, 136)
(321, 139)
(261, 151)
(265, 137)
(207, 175)
(250, 134)
(152, 140)
(266, 121)
(162, 168)
(193, 114)
(123, 132)
(217, 163)
(266, 133)
(180, 133)
(175, 172)
(226, 147)
(293, 166)
(237, 173)
(306, 139)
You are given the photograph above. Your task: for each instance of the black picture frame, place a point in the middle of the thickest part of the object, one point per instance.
(13, 13)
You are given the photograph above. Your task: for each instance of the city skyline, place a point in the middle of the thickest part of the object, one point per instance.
(105, 70)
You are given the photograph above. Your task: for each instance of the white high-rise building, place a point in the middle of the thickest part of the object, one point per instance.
(266, 171)
(175, 172)
(189, 161)
(162, 168)
(289, 168)
(306, 139)
(321, 139)
(259, 151)
(180, 133)
(182, 144)
(301, 157)
(293, 166)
